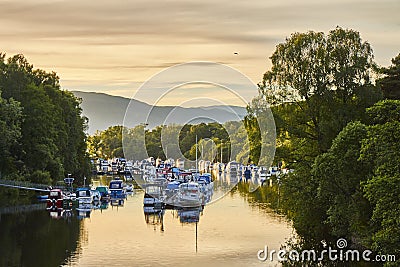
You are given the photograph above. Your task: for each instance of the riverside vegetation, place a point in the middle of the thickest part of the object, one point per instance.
(337, 118)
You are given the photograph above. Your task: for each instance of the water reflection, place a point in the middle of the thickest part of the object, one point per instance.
(227, 233)
(32, 239)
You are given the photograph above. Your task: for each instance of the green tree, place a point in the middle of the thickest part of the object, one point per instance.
(319, 78)
(10, 129)
(339, 175)
(390, 83)
(381, 150)
(319, 83)
(53, 129)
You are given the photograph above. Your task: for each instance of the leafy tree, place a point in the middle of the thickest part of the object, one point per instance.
(390, 84)
(10, 129)
(133, 142)
(53, 138)
(319, 79)
(381, 150)
(339, 175)
(319, 83)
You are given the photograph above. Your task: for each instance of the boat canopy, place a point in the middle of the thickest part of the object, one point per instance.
(205, 178)
(83, 192)
(116, 184)
(173, 185)
(102, 189)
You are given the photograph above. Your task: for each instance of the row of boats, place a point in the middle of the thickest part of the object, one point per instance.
(184, 190)
(121, 166)
(58, 199)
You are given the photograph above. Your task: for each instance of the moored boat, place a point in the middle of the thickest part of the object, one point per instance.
(189, 195)
(153, 194)
(55, 200)
(103, 190)
(117, 189)
(83, 195)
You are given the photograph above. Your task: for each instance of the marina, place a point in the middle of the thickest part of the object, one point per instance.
(200, 217)
(227, 233)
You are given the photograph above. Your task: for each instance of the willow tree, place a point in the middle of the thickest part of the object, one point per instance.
(320, 82)
(317, 84)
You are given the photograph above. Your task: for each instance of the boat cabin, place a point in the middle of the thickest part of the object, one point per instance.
(55, 199)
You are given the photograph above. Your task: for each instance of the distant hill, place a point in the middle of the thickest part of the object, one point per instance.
(105, 110)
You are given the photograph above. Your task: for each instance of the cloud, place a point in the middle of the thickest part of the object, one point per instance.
(106, 42)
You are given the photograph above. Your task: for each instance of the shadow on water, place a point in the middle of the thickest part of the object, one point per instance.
(47, 242)
(267, 199)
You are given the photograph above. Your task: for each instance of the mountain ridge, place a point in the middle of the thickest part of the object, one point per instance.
(105, 110)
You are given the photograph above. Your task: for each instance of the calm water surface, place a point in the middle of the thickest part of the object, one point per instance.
(229, 233)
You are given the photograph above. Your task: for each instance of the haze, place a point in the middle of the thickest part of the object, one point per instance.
(114, 46)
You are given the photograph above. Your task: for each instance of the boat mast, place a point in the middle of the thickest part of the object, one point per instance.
(221, 151)
(196, 153)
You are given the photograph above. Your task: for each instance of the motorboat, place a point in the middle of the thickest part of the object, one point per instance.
(55, 200)
(232, 167)
(129, 188)
(84, 196)
(104, 193)
(189, 195)
(153, 194)
(117, 189)
(96, 196)
(171, 192)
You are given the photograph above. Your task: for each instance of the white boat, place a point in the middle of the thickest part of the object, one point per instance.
(180, 163)
(152, 195)
(189, 195)
(96, 196)
(262, 172)
(129, 188)
(232, 167)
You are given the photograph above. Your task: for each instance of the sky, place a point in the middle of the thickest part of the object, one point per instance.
(115, 46)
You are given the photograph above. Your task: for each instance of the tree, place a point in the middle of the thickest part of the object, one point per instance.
(10, 129)
(53, 139)
(390, 84)
(381, 150)
(339, 175)
(318, 83)
(318, 78)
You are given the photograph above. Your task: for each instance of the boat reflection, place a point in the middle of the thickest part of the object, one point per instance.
(190, 215)
(117, 202)
(154, 217)
(154, 214)
(84, 211)
(81, 210)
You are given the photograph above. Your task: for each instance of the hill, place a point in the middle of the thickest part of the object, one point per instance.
(105, 110)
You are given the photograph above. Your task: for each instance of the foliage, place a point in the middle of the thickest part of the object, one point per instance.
(381, 150)
(10, 129)
(338, 174)
(317, 84)
(47, 125)
(230, 138)
(390, 83)
(351, 190)
(342, 142)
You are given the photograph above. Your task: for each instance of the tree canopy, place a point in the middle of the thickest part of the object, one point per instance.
(45, 127)
(341, 138)
(390, 83)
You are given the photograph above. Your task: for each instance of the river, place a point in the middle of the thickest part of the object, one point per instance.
(229, 232)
